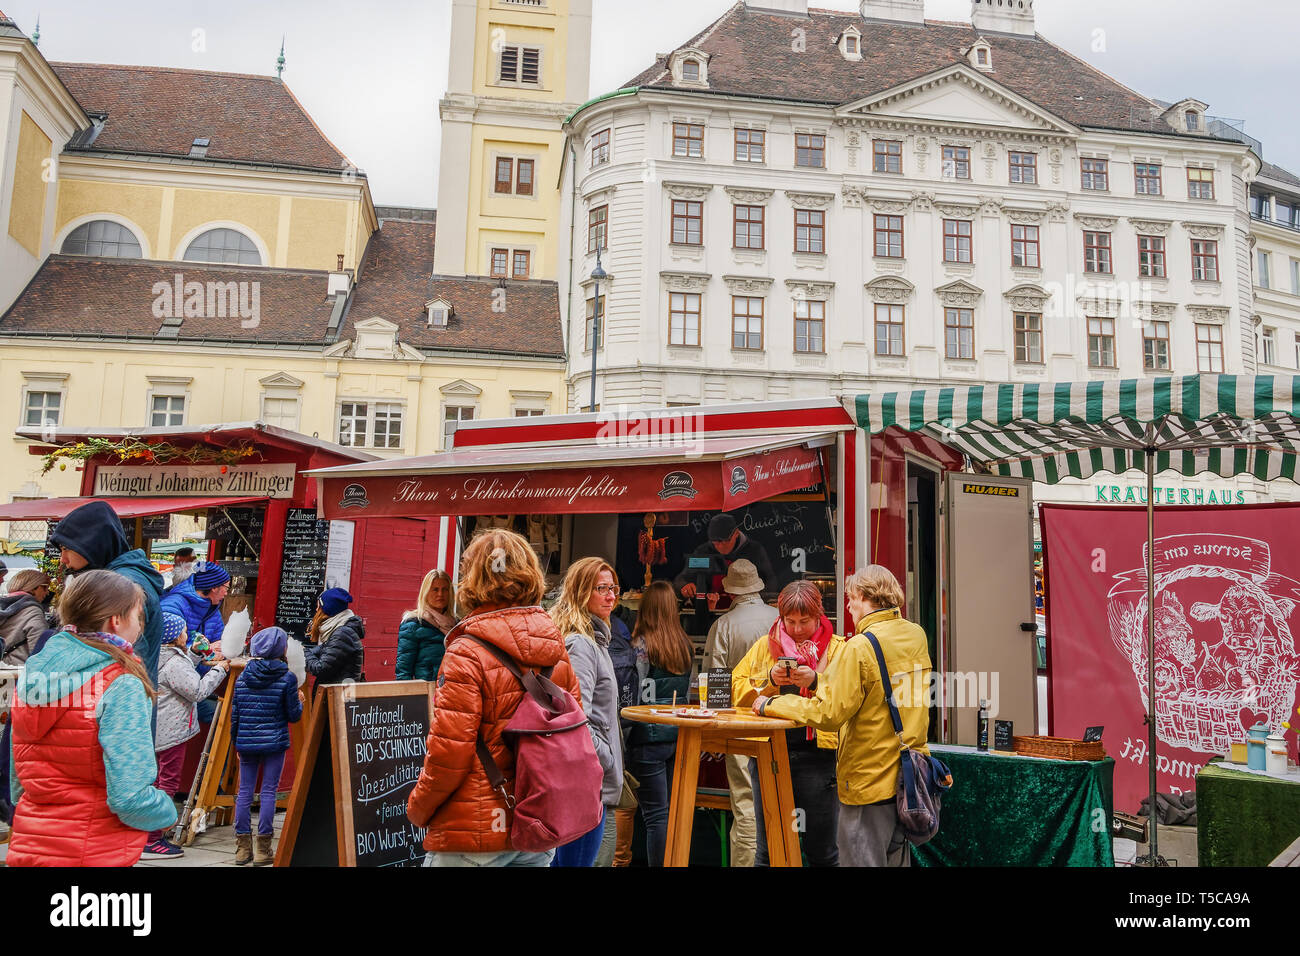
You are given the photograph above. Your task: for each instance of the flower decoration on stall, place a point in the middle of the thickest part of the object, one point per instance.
(135, 451)
(49, 565)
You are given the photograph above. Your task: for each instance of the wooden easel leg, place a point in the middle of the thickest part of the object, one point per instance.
(681, 805)
(785, 800)
(215, 772)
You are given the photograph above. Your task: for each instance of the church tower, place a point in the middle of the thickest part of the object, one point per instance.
(518, 68)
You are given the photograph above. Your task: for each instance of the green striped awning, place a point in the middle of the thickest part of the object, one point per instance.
(1223, 424)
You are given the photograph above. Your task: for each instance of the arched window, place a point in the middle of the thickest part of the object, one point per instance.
(225, 246)
(1193, 120)
(103, 238)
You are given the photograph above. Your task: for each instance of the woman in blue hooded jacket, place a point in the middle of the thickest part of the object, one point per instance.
(266, 702)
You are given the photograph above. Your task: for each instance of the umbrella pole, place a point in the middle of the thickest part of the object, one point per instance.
(1152, 758)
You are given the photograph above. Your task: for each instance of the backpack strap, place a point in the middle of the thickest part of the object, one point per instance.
(887, 688)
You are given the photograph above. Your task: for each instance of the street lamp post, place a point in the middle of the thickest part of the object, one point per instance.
(598, 274)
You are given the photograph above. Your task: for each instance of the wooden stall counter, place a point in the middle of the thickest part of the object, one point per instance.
(729, 731)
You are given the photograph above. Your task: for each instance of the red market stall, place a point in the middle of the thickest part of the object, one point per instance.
(246, 480)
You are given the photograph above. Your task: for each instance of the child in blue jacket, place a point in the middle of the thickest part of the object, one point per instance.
(266, 702)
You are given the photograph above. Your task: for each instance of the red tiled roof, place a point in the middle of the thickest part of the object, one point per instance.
(156, 110)
(751, 54)
(397, 281)
(115, 298)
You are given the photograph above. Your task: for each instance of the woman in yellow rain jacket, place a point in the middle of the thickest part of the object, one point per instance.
(850, 699)
(804, 637)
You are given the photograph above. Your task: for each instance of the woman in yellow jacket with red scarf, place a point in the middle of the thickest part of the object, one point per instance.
(851, 700)
(804, 637)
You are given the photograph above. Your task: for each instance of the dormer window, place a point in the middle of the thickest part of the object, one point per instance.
(1187, 116)
(199, 148)
(439, 312)
(850, 44)
(980, 55)
(689, 67)
(1193, 120)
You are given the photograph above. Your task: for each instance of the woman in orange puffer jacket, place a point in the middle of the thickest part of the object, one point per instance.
(468, 822)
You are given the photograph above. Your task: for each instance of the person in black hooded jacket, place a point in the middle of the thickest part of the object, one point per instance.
(337, 655)
(91, 539)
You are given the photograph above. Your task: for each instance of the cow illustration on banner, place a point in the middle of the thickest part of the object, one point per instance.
(1226, 655)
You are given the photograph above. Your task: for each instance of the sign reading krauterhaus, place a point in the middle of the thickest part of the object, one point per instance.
(196, 481)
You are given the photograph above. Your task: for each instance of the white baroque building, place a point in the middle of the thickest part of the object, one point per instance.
(798, 203)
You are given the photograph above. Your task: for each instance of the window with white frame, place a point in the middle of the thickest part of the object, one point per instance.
(370, 424)
(1270, 346)
(452, 416)
(166, 410)
(224, 246)
(42, 409)
(1295, 276)
(104, 239)
(1265, 270)
(281, 412)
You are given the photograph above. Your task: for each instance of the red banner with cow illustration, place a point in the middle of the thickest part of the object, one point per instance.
(1227, 589)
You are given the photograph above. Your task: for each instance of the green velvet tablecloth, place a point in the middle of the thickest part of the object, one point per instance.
(1022, 811)
(1244, 819)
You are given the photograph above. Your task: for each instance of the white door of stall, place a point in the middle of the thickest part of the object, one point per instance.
(990, 591)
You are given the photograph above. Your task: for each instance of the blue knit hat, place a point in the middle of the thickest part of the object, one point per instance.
(210, 576)
(270, 642)
(335, 601)
(173, 627)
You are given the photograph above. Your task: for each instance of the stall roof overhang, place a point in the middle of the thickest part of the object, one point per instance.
(688, 473)
(221, 435)
(55, 509)
(1223, 424)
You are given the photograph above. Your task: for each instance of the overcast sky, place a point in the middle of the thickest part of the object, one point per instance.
(371, 73)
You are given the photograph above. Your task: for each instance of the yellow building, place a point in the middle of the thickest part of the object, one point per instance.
(185, 247)
(518, 68)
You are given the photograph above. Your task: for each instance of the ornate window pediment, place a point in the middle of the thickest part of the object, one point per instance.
(959, 294)
(1028, 297)
(890, 289)
(685, 281)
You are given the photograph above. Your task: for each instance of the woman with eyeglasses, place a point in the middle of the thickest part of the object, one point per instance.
(582, 615)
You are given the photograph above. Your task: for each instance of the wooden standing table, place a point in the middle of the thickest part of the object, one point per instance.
(737, 732)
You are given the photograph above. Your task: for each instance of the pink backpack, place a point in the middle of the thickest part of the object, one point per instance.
(557, 773)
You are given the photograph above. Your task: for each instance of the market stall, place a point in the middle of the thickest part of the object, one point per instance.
(1221, 424)
(1245, 817)
(246, 482)
(675, 502)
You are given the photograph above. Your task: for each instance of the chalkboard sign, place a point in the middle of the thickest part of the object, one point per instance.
(1092, 734)
(157, 528)
(719, 689)
(228, 524)
(797, 536)
(1002, 734)
(302, 576)
(352, 810)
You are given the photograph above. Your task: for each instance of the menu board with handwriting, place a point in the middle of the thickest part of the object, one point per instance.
(302, 575)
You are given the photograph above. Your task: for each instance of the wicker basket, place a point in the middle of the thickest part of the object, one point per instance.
(1059, 748)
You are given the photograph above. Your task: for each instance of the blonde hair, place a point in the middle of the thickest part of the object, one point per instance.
(28, 580)
(90, 601)
(877, 584)
(498, 567)
(570, 613)
(422, 605)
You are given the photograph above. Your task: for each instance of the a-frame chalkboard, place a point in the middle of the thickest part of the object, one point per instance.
(350, 809)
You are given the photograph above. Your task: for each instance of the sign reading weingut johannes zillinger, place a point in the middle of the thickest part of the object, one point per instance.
(196, 481)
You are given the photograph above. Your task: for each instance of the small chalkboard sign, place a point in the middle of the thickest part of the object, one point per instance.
(1002, 736)
(352, 810)
(719, 689)
(302, 576)
(1092, 734)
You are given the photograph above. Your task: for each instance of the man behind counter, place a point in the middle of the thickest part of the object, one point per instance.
(726, 544)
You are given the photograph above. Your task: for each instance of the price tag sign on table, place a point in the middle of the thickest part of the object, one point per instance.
(719, 689)
(1002, 736)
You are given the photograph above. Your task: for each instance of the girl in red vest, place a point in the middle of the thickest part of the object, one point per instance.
(83, 762)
